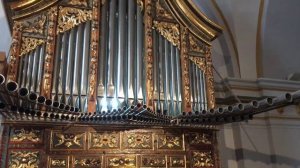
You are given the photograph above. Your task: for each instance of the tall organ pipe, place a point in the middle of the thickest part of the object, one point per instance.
(131, 49)
(40, 68)
(139, 53)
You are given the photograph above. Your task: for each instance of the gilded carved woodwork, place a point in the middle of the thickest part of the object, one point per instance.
(202, 159)
(14, 52)
(70, 17)
(177, 161)
(21, 135)
(36, 26)
(93, 77)
(153, 161)
(50, 46)
(195, 45)
(29, 44)
(199, 62)
(83, 3)
(104, 140)
(209, 79)
(87, 162)
(24, 159)
(169, 30)
(138, 141)
(67, 140)
(121, 162)
(185, 70)
(58, 162)
(200, 139)
(161, 11)
(172, 142)
(148, 58)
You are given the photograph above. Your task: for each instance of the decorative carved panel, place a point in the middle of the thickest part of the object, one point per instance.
(201, 139)
(138, 140)
(87, 162)
(58, 162)
(24, 159)
(25, 135)
(202, 159)
(170, 142)
(105, 140)
(153, 161)
(69, 141)
(177, 161)
(121, 161)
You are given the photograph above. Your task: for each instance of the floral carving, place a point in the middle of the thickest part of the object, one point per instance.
(104, 140)
(23, 135)
(24, 159)
(196, 45)
(78, 3)
(140, 141)
(122, 162)
(202, 159)
(154, 161)
(199, 62)
(37, 26)
(58, 163)
(71, 17)
(202, 138)
(170, 142)
(177, 161)
(87, 162)
(161, 10)
(29, 44)
(169, 30)
(68, 140)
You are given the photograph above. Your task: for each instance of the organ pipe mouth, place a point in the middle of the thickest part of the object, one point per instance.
(56, 104)
(220, 110)
(23, 92)
(230, 108)
(61, 106)
(255, 104)
(67, 107)
(2, 79)
(11, 86)
(288, 97)
(240, 106)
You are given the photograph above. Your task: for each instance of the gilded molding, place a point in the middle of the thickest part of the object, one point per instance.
(36, 27)
(24, 159)
(148, 59)
(71, 17)
(14, 52)
(95, 36)
(185, 70)
(202, 159)
(87, 162)
(199, 62)
(124, 162)
(139, 141)
(162, 12)
(25, 135)
(29, 44)
(104, 140)
(50, 46)
(78, 3)
(209, 79)
(169, 30)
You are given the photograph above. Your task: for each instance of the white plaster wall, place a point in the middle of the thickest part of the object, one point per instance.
(5, 37)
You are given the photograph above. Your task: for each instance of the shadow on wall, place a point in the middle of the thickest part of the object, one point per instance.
(248, 155)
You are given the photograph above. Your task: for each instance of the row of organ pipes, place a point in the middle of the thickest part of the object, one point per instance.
(121, 72)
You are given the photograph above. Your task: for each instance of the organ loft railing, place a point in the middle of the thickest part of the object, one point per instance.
(103, 55)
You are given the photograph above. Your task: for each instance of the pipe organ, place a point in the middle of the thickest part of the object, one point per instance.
(111, 83)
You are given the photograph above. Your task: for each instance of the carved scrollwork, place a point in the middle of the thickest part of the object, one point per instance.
(177, 161)
(87, 162)
(138, 141)
(122, 162)
(169, 30)
(140, 4)
(29, 44)
(71, 17)
(170, 142)
(78, 3)
(202, 159)
(196, 45)
(25, 135)
(36, 26)
(162, 12)
(68, 140)
(154, 161)
(105, 140)
(201, 138)
(24, 159)
(199, 62)
(209, 79)
(59, 163)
